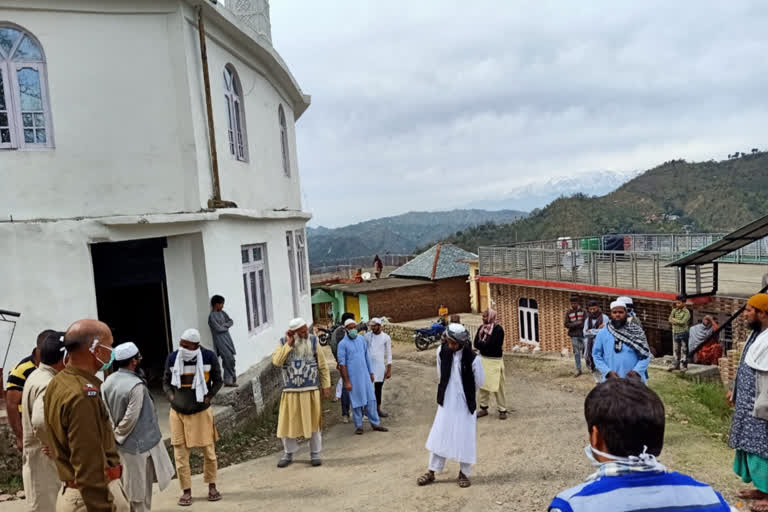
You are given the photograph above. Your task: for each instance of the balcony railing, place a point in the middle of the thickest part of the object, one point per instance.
(617, 269)
(680, 244)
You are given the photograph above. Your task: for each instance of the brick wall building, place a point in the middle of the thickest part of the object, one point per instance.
(423, 301)
(545, 320)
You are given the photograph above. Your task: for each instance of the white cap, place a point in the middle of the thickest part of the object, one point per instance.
(618, 304)
(374, 321)
(192, 335)
(625, 300)
(126, 351)
(349, 321)
(297, 323)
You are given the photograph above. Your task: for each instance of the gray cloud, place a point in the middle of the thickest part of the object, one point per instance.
(431, 104)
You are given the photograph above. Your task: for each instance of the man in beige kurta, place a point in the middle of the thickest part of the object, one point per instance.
(41, 481)
(305, 371)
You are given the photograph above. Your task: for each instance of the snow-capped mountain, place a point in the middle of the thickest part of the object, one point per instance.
(540, 194)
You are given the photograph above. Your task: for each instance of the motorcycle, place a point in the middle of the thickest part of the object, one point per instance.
(325, 334)
(424, 338)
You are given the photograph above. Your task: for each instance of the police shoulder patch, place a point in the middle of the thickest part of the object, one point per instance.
(90, 390)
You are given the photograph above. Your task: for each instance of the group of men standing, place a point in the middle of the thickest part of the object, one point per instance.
(614, 346)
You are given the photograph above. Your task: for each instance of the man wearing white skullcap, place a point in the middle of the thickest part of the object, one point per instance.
(630, 306)
(380, 348)
(192, 378)
(621, 348)
(139, 441)
(305, 372)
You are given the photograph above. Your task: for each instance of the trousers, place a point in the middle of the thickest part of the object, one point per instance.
(70, 500)
(183, 470)
(290, 445)
(370, 408)
(681, 348)
(437, 464)
(484, 397)
(377, 388)
(578, 348)
(228, 369)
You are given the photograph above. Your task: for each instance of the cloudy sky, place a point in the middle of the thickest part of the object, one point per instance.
(431, 104)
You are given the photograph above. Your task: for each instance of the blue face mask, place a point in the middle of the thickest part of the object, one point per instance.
(352, 333)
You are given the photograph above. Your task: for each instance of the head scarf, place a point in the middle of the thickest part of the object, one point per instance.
(487, 327)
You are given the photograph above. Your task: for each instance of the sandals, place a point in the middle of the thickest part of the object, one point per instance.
(426, 479)
(214, 495)
(464, 482)
(759, 506)
(185, 500)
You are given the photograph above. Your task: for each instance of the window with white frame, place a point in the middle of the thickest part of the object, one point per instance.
(25, 115)
(284, 141)
(256, 286)
(301, 260)
(528, 311)
(233, 92)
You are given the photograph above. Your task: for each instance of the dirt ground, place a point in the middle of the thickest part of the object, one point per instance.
(522, 462)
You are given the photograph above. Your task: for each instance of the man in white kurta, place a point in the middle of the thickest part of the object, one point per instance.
(380, 350)
(41, 480)
(139, 442)
(453, 435)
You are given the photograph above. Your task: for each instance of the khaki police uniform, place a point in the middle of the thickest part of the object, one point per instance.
(83, 445)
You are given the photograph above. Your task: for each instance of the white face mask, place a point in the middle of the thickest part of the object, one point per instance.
(188, 355)
(644, 459)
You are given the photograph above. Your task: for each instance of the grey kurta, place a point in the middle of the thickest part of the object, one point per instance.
(219, 322)
(748, 433)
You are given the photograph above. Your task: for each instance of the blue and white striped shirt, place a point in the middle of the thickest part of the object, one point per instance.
(641, 491)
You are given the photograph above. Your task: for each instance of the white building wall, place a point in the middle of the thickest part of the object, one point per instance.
(259, 182)
(186, 277)
(121, 120)
(222, 241)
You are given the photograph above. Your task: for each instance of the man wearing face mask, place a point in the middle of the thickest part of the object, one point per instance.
(625, 423)
(749, 424)
(140, 443)
(621, 349)
(79, 429)
(454, 431)
(192, 379)
(357, 371)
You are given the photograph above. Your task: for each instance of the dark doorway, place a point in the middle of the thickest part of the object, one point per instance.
(131, 297)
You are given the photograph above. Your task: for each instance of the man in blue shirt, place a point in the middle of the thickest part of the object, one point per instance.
(625, 421)
(621, 349)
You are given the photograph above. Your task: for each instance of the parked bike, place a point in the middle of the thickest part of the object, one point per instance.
(325, 334)
(424, 338)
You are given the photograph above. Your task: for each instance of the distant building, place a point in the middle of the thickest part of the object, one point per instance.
(109, 204)
(413, 291)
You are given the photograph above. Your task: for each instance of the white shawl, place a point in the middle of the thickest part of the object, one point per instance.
(198, 383)
(757, 356)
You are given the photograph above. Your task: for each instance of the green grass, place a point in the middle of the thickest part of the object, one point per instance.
(11, 485)
(702, 405)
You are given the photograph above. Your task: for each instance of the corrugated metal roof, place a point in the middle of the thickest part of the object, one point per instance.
(729, 243)
(439, 262)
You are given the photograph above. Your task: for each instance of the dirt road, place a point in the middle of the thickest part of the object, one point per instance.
(522, 462)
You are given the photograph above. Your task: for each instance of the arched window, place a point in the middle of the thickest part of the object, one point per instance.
(238, 144)
(25, 116)
(284, 141)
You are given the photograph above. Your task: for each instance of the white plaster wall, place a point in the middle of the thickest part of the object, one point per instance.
(260, 182)
(222, 241)
(46, 275)
(187, 287)
(122, 129)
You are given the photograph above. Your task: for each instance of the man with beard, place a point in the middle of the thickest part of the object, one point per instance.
(305, 371)
(595, 321)
(454, 431)
(357, 371)
(749, 424)
(621, 349)
(192, 378)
